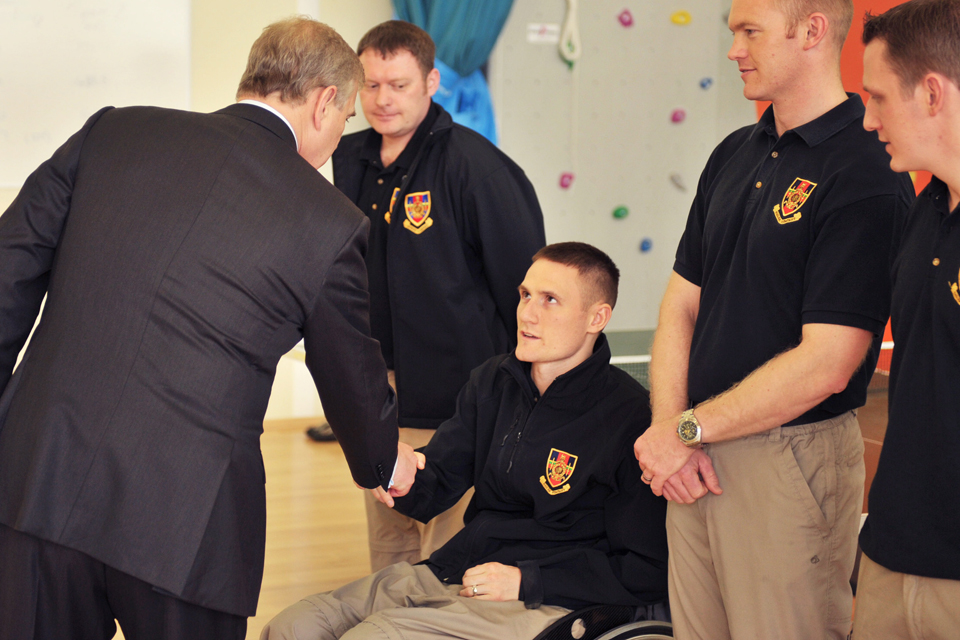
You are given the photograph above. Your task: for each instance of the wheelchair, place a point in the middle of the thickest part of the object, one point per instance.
(607, 622)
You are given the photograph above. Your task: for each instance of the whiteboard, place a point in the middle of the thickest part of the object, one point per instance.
(61, 60)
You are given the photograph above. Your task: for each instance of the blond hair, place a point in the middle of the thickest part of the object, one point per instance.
(839, 14)
(296, 56)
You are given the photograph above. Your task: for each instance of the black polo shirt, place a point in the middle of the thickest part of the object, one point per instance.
(786, 231)
(376, 199)
(914, 522)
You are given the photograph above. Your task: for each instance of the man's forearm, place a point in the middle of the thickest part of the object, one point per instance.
(788, 385)
(670, 355)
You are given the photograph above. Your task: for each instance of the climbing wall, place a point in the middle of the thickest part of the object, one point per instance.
(615, 140)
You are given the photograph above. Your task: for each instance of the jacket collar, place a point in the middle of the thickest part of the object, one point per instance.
(264, 118)
(437, 119)
(573, 384)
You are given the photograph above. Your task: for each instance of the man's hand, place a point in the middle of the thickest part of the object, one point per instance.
(693, 481)
(492, 581)
(660, 453)
(408, 463)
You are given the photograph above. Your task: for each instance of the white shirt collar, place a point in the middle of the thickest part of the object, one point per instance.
(276, 113)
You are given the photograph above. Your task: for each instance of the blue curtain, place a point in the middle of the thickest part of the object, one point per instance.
(465, 32)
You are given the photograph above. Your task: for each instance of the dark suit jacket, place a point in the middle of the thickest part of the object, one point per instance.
(182, 255)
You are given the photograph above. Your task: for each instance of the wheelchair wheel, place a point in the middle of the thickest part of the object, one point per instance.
(645, 630)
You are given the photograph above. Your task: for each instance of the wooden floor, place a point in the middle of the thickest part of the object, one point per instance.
(316, 524)
(316, 527)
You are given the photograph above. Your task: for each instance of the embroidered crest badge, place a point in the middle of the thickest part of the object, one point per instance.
(417, 206)
(955, 289)
(393, 201)
(789, 208)
(560, 466)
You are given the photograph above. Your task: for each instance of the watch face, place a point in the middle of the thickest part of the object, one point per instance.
(688, 430)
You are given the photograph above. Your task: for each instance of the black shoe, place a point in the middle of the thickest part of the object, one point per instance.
(321, 433)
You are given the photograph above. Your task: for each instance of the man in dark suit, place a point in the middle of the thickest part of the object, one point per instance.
(181, 256)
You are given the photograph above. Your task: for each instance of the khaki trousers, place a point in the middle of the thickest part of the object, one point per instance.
(772, 556)
(899, 605)
(393, 537)
(403, 602)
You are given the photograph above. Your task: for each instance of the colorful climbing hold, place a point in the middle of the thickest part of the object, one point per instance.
(706, 83)
(681, 18)
(678, 116)
(625, 18)
(566, 179)
(621, 212)
(646, 245)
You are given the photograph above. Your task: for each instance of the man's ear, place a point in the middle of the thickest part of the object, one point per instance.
(933, 90)
(816, 27)
(324, 102)
(433, 81)
(600, 314)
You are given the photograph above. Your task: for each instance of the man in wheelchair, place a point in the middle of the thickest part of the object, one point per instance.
(560, 519)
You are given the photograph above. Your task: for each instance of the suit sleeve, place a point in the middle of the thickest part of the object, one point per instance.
(349, 371)
(630, 570)
(30, 231)
(507, 225)
(451, 461)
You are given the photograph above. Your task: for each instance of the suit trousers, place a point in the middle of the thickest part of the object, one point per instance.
(772, 556)
(393, 537)
(50, 592)
(899, 605)
(404, 602)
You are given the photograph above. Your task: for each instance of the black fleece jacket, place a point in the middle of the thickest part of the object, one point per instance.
(596, 536)
(451, 284)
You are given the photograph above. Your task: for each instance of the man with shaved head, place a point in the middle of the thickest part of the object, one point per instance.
(559, 519)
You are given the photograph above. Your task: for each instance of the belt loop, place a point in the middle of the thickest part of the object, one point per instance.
(775, 434)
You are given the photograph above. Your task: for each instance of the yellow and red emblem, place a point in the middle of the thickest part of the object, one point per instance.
(560, 466)
(393, 201)
(789, 208)
(955, 289)
(417, 206)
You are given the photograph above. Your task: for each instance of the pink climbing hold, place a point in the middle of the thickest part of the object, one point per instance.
(566, 179)
(625, 18)
(678, 116)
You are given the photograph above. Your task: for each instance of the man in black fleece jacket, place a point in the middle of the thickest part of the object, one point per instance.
(559, 519)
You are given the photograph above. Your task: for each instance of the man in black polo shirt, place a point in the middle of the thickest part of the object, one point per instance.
(910, 570)
(770, 329)
(454, 223)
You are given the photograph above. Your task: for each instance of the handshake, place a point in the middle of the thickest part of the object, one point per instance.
(404, 474)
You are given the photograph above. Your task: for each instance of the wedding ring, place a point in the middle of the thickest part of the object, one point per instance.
(474, 589)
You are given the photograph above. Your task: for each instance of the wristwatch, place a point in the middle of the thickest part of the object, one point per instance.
(689, 429)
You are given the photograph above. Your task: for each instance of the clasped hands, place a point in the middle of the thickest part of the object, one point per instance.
(673, 470)
(408, 463)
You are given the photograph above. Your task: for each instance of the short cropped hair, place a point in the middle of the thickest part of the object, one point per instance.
(296, 56)
(839, 13)
(593, 265)
(922, 36)
(389, 38)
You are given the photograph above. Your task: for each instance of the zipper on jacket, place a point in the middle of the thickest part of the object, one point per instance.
(510, 430)
(516, 445)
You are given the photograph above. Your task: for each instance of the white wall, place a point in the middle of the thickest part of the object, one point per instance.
(608, 121)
